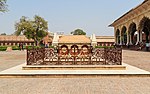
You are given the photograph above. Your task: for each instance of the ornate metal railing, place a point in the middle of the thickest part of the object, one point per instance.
(98, 56)
(113, 56)
(35, 56)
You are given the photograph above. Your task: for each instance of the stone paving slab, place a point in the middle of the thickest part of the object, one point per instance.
(130, 70)
(100, 85)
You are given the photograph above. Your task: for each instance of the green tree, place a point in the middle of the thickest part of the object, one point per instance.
(78, 32)
(3, 5)
(3, 33)
(35, 29)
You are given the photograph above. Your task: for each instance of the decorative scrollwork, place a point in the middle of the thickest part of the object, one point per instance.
(85, 56)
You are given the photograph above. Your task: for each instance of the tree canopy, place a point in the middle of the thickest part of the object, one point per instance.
(78, 32)
(3, 5)
(3, 34)
(35, 29)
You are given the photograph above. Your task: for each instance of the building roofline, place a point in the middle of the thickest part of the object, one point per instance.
(104, 36)
(111, 25)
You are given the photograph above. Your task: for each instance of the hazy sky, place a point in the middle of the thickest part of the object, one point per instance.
(93, 16)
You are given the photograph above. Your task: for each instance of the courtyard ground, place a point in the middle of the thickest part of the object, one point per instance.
(100, 85)
(11, 59)
(76, 85)
(138, 59)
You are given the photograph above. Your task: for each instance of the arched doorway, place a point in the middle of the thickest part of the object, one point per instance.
(124, 35)
(145, 29)
(118, 36)
(132, 33)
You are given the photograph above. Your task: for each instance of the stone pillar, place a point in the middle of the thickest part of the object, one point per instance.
(13, 44)
(120, 40)
(116, 37)
(130, 39)
(141, 36)
(116, 40)
(138, 37)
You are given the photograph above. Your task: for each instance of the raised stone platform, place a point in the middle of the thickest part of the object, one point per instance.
(75, 67)
(19, 72)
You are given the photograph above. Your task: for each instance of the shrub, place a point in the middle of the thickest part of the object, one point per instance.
(104, 47)
(51, 46)
(3, 48)
(15, 48)
(31, 47)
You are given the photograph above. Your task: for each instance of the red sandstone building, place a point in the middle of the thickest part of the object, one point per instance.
(12, 40)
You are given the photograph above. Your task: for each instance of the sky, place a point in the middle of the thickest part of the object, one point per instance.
(92, 16)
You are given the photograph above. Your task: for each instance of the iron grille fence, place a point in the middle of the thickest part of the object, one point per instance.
(97, 56)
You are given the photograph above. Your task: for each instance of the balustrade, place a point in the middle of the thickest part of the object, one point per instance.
(97, 56)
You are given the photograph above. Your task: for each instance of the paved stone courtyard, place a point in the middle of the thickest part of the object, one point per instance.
(11, 59)
(82, 85)
(101, 85)
(137, 58)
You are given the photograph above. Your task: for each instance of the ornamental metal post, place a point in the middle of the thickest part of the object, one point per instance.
(105, 55)
(58, 55)
(74, 55)
(27, 57)
(90, 54)
(43, 49)
(121, 57)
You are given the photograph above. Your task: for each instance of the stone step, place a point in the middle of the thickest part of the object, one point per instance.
(77, 71)
(70, 75)
(74, 67)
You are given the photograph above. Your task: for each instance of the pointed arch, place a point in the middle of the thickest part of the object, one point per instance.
(124, 35)
(132, 33)
(144, 27)
(117, 36)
